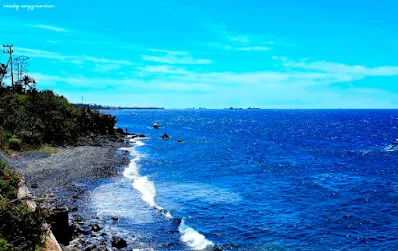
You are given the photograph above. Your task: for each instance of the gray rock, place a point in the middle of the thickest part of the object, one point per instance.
(91, 247)
(95, 227)
(118, 242)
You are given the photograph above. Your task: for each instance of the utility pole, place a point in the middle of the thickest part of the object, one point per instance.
(21, 63)
(10, 51)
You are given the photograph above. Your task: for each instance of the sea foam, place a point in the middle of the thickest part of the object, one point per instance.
(192, 238)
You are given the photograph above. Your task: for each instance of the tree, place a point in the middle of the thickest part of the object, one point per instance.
(29, 83)
(3, 73)
(26, 84)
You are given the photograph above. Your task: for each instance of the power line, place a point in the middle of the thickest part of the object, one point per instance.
(21, 62)
(10, 51)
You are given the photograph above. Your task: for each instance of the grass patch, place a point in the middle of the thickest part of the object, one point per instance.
(45, 149)
(48, 149)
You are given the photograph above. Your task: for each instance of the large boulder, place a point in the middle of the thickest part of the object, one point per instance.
(118, 242)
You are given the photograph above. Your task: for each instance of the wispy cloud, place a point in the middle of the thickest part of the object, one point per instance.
(96, 64)
(253, 48)
(229, 40)
(240, 39)
(170, 52)
(52, 42)
(49, 27)
(37, 53)
(175, 60)
(165, 69)
(132, 82)
(34, 53)
(298, 75)
(102, 60)
(339, 68)
(175, 57)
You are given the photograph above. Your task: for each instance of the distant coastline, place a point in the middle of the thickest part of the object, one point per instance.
(101, 107)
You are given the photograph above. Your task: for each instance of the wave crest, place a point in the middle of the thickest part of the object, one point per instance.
(192, 238)
(189, 236)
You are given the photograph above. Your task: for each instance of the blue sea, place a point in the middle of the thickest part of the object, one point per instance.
(256, 180)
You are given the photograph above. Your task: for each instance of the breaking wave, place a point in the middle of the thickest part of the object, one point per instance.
(146, 187)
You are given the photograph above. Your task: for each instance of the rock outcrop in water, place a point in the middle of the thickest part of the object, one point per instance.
(165, 136)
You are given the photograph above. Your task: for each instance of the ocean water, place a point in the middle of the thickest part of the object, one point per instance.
(256, 180)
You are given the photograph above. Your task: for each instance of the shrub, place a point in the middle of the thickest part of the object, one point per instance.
(15, 144)
(4, 245)
(20, 228)
(9, 181)
(31, 138)
(2, 138)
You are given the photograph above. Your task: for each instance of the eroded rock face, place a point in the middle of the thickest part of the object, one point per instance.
(118, 242)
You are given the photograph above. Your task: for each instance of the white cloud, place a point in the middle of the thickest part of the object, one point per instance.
(163, 69)
(51, 81)
(229, 40)
(237, 48)
(353, 71)
(253, 48)
(36, 53)
(241, 39)
(169, 52)
(102, 60)
(100, 63)
(171, 58)
(49, 27)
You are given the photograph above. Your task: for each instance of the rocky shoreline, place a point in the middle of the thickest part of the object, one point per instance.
(56, 178)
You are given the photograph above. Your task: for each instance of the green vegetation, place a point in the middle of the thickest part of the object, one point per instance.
(30, 118)
(20, 227)
(36, 120)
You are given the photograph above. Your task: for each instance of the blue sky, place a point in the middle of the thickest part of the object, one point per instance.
(214, 54)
